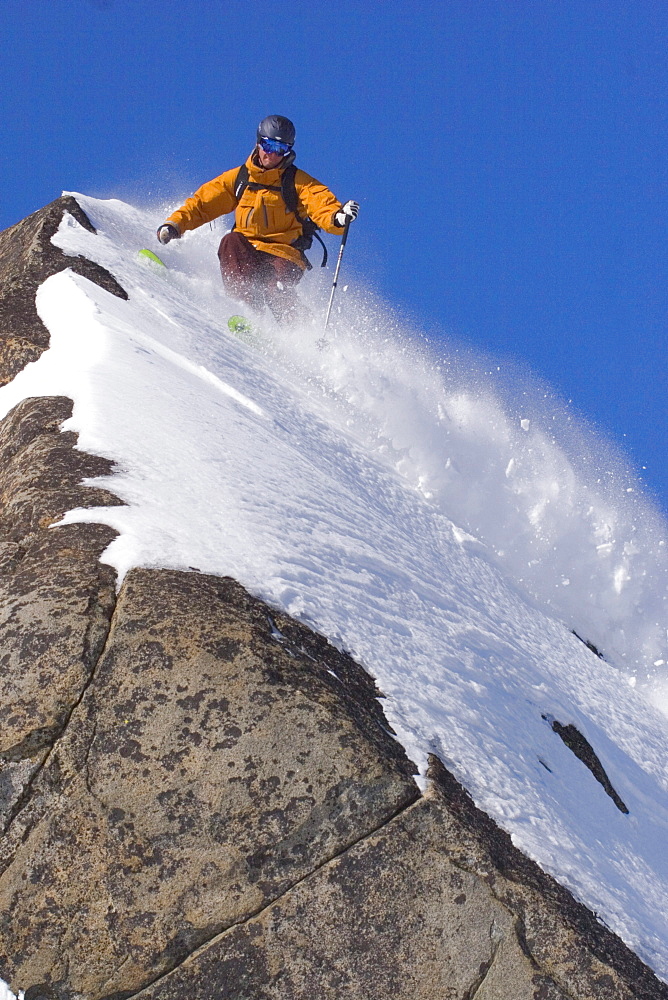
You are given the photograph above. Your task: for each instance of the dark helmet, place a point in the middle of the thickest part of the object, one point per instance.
(276, 127)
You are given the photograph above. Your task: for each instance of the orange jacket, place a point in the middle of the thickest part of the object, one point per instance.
(261, 216)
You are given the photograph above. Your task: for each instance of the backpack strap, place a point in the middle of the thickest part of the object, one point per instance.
(240, 182)
(309, 228)
(322, 244)
(288, 191)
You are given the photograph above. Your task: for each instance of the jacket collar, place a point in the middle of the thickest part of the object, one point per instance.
(270, 176)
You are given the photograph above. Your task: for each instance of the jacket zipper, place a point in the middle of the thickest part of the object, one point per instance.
(266, 218)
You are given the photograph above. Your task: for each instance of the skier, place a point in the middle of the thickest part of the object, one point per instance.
(262, 259)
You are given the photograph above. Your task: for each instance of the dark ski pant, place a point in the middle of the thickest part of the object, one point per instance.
(259, 278)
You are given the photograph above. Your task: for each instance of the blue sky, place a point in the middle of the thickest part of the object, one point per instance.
(509, 157)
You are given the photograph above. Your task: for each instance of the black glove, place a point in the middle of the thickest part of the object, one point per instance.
(347, 214)
(167, 232)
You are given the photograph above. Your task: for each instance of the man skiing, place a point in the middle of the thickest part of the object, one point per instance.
(262, 259)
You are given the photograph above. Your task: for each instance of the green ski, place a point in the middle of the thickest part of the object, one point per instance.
(151, 257)
(244, 330)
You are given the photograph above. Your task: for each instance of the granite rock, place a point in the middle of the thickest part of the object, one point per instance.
(27, 258)
(56, 598)
(437, 903)
(212, 763)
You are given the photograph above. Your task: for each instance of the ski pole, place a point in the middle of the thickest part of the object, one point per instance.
(336, 273)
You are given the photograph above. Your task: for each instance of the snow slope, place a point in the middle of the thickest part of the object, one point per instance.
(445, 527)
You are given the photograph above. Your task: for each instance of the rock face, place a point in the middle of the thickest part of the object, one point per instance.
(56, 598)
(200, 797)
(27, 258)
(437, 903)
(210, 766)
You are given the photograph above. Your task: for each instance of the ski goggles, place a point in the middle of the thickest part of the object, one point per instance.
(274, 145)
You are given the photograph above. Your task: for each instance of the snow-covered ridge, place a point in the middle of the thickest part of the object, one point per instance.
(393, 500)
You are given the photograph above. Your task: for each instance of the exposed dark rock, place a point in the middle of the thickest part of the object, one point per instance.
(41, 992)
(561, 936)
(56, 598)
(590, 645)
(436, 903)
(392, 917)
(27, 258)
(584, 751)
(207, 769)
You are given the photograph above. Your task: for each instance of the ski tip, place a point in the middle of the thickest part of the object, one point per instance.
(239, 324)
(150, 256)
(244, 330)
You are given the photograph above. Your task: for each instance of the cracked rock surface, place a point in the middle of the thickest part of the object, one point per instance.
(208, 768)
(56, 598)
(437, 903)
(201, 798)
